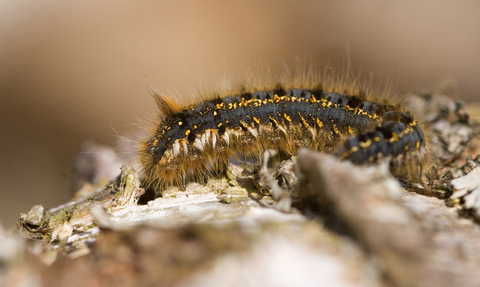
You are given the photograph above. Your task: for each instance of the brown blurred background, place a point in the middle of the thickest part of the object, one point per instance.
(74, 70)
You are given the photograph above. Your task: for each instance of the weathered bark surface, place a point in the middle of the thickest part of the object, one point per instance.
(309, 221)
(404, 231)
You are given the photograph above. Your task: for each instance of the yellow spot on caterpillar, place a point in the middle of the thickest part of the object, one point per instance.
(413, 123)
(214, 113)
(187, 132)
(366, 144)
(257, 120)
(349, 152)
(350, 130)
(219, 125)
(319, 123)
(180, 123)
(273, 120)
(335, 129)
(155, 142)
(394, 138)
(195, 127)
(287, 117)
(305, 123)
(407, 147)
(376, 139)
(417, 144)
(312, 99)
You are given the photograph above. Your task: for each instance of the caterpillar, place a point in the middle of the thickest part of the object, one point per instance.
(192, 141)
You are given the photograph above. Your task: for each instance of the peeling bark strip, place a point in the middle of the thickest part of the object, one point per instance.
(191, 141)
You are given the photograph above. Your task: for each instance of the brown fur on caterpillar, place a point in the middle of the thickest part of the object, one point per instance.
(192, 141)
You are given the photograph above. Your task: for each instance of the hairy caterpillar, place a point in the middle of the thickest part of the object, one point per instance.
(191, 141)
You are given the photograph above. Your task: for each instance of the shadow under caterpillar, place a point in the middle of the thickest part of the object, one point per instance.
(190, 142)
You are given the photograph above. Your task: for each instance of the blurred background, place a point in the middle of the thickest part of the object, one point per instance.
(77, 70)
